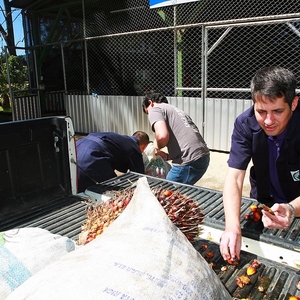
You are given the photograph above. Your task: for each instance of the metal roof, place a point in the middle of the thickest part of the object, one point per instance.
(40, 4)
(72, 8)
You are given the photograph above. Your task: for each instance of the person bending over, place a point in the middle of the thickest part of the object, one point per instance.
(99, 154)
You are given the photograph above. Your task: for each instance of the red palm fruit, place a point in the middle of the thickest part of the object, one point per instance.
(256, 216)
(253, 207)
(168, 193)
(251, 270)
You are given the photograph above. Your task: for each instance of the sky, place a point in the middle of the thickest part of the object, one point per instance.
(17, 23)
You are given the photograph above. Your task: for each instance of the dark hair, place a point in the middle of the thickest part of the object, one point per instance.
(274, 82)
(142, 137)
(154, 97)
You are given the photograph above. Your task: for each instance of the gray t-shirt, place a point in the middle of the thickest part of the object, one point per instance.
(185, 143)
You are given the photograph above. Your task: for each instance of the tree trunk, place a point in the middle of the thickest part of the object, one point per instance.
(6, 102)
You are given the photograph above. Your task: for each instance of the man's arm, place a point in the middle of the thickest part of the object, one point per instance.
(230, 244)
(161, 134)
(296, 205)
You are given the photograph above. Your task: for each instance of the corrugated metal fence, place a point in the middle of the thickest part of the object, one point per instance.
(26, 107)
(123, 114)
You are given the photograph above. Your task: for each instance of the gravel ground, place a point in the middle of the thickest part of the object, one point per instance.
(215, 174)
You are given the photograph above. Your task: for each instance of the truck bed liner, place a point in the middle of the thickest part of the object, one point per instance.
(279, 281)
(66, 215)
(63, 216)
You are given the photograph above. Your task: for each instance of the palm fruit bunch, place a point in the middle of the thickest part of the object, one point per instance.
(101, 215)
(184, 212)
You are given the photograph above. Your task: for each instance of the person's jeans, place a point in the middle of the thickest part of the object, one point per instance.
(191, 173)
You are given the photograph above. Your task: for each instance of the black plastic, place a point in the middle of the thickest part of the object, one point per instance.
(34, 163)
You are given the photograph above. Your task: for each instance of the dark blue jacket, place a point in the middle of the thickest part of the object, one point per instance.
(249, 141)
(99, 154)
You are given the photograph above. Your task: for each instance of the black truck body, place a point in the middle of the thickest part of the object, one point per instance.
(38, 189)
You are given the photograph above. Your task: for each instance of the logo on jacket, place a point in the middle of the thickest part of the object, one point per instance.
(295, 175)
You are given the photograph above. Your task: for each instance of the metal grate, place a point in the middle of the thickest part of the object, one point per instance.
(212, 204)
(73, 210)
(278, 281)
(63, 216)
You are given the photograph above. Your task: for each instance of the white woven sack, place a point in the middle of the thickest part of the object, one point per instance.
(142, 255)
(25, 251)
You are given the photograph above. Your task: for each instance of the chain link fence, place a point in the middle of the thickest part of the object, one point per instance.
(210, 47)
(207, 49)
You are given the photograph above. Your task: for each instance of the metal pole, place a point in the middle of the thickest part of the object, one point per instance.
(220, 39)
(64, 67)
(85, 51)
(204, 71)
(175, 53)
(39, 112)
(9, 84)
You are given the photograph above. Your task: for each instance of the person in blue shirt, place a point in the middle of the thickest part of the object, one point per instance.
(99, 154)
(269, 134)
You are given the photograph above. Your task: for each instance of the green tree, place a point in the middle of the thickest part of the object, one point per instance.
(18, 75)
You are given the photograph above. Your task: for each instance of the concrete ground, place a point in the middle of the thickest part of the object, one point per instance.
(215, 174)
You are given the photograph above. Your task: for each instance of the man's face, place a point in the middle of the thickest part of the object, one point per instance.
(147, 109)
(143, 147)
(273, 116)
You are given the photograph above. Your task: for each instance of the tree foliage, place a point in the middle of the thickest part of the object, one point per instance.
(18, 76)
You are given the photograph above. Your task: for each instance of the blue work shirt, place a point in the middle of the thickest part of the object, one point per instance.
(274, 152)
(249, 141)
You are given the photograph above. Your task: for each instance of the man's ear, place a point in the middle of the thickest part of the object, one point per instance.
(295, 103)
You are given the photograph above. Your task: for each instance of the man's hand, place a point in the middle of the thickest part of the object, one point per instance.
(163, 154)
(231, 240)
(281, 218)
(230, 245)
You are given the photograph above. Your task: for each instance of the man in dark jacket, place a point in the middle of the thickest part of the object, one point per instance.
(269, 134)
(99, 154)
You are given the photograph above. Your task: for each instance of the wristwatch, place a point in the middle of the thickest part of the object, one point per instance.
(292, 212)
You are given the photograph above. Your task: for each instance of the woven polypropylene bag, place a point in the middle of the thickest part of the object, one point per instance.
(142, 255)
(25, 251)
(154, 164)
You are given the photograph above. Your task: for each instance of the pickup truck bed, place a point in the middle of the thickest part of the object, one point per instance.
(280, 280)
(43, 196)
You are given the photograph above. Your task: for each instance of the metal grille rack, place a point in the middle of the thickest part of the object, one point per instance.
(278, 280)
(63, 216)
(71, 210)
(211, 203)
